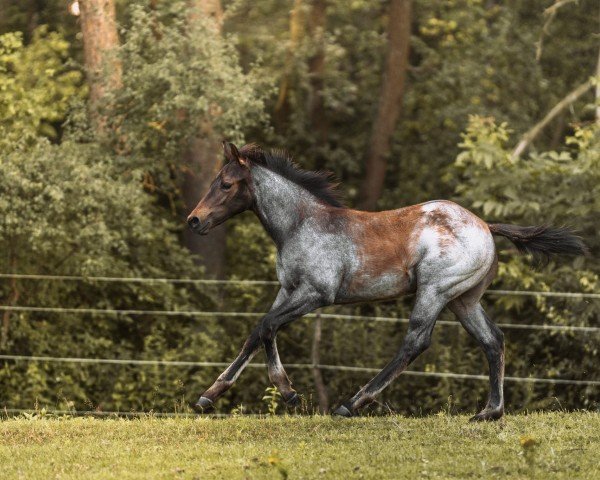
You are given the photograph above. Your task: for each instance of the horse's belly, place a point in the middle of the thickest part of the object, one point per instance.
(365, 287)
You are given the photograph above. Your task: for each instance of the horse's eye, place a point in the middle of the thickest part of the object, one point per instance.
(225, 186)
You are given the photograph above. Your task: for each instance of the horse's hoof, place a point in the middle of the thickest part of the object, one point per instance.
(294, 400)
(488, 415)
(203, 405)
(342, 411)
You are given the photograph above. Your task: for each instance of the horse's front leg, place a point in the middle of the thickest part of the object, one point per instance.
(226, 379)
(277, 373)
(301, 301)
(287, 307)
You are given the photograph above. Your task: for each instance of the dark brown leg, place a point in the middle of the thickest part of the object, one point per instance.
(417, 340)
(491, 340)
(278, 376)
(226, 379)
(299, 302)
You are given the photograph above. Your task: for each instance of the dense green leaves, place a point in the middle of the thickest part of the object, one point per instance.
(37, 83)
(65, 210)
(550, 187)
(179, 82)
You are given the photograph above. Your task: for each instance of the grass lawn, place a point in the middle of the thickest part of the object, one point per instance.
(539, 445)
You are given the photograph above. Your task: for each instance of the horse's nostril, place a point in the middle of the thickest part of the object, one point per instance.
(193, 222)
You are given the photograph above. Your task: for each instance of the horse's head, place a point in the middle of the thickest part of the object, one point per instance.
(229, 194)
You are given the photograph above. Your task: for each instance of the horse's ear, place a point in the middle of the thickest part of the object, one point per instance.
(233, 155)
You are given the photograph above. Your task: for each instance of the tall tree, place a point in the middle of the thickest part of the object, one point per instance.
(282, 107)
(202, 161)
(317, 22)
(390, 103)
(100, 43)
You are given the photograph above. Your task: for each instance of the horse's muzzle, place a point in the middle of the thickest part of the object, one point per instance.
(197, 225)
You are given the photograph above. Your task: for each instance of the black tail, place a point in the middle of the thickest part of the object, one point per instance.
(541, 241)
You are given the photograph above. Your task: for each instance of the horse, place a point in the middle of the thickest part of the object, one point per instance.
(330, 254)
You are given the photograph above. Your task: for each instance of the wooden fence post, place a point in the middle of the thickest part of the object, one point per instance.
(320, 387)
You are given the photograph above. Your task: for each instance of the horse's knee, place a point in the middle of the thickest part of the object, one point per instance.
(499, 340)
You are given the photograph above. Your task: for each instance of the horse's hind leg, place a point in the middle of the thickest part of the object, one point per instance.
(418, 338)
(491, 339)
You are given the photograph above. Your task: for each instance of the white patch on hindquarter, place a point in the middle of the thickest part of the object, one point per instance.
(464, 259)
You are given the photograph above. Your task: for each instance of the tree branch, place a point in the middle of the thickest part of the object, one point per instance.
(532, 134)
(549, 13)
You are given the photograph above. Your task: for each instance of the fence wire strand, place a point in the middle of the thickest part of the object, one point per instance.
(333, 316)
(195, 281)
(341, 368)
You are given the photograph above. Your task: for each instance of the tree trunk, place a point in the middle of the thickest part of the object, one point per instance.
(33, 17)
(202, 162)
(598, 89)
(296, 29)
(317, 23)
(100, 43)
(390, 103)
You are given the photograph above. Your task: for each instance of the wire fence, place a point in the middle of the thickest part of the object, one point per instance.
(333, 316)
(202, 281)
(340, 368)
(219, 314)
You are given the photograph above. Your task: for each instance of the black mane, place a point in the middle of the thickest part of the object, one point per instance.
(318, 183)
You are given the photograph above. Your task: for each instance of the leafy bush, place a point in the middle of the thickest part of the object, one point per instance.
(38, 82)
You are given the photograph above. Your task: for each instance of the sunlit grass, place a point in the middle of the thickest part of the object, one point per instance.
(544, 445)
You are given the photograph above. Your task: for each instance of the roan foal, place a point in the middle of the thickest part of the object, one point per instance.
(328, 254)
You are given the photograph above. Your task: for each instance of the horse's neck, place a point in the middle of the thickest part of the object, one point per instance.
(280, 203)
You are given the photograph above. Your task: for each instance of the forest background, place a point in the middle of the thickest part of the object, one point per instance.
(112, 114)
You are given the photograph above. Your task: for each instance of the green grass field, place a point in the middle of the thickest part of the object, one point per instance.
(539, 445)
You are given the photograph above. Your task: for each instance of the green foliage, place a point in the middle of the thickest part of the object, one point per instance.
(554, 187)
(67, 210)
(179, 82)
(271, 399)
(37, 81)
(352, 43)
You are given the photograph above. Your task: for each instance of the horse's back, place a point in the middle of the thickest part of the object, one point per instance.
(396, 250)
